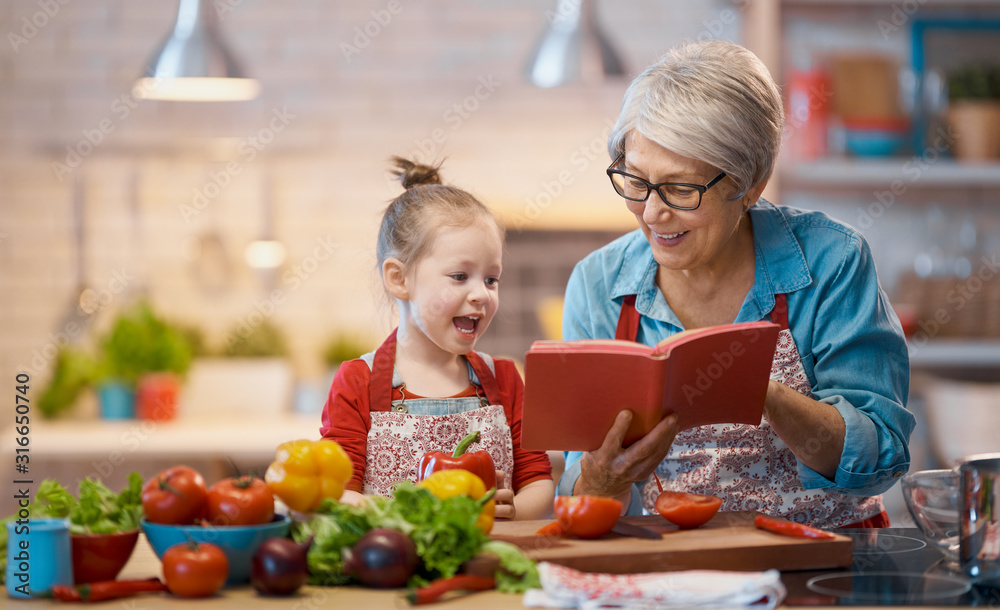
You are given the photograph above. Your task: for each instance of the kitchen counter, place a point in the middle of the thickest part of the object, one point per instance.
(896, 549)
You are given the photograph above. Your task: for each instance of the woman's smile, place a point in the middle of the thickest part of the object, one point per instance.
(669, 239)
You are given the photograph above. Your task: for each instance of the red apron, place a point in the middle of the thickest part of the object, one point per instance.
(403, 430)
(750, 467)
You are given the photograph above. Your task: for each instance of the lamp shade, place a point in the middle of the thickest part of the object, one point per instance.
(194, 63)
(573, 48)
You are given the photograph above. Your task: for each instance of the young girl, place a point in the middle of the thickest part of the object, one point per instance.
(439, 252)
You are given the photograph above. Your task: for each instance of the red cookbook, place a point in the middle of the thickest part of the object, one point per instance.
(574, 389)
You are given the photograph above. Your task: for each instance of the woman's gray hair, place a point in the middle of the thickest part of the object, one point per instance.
(711, 100)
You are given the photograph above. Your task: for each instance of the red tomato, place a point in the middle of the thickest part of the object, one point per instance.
(687, 510)
(244, 500)
(193, 569)
(586, 516)
(175, 496)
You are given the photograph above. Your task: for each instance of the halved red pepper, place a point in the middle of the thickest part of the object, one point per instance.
(790, 528)
(686, 510)
(478, 463)
(586, 516)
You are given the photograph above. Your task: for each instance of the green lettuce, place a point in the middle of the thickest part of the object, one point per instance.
(443, 531)
(98, 510)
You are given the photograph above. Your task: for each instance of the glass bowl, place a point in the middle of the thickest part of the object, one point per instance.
(932, 498)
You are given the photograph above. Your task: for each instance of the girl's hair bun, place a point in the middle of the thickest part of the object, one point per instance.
(412, 174)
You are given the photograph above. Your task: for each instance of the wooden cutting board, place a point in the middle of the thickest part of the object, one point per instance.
(728, 542)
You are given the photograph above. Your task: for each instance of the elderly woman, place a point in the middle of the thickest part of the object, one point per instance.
(692, 150)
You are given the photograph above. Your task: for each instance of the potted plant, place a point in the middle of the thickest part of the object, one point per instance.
(342, 348)
(974, 111)
(145, 354)
(312, 391)
(72, 372)
(247, 372)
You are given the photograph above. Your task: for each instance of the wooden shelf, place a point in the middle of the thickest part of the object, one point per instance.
(956, 353)
(848, 173)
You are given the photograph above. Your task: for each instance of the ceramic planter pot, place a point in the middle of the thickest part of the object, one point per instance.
(156, 396)
(975, 125)
(117, 400)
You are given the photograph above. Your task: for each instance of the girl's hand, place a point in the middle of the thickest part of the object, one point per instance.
(504, 498)
(352, 497)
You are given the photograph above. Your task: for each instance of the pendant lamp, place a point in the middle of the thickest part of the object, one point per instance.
(573, 48)
(194, 64)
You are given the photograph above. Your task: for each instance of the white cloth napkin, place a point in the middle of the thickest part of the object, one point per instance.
(564, 587)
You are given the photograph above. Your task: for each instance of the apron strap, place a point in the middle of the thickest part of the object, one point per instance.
(779, 315)
(486, 378)
(628, 320)
(380, 389)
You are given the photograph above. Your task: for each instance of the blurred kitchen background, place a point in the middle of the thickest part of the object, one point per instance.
(247, 228)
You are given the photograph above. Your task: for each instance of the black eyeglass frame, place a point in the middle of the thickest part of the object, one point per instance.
(701, 188)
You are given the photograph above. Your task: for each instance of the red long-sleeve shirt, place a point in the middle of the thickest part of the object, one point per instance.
(347, 419)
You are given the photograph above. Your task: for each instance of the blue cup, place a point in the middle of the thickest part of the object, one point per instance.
(117, 400)
(39, 556)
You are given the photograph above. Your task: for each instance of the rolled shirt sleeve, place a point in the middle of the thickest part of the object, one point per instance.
(859, 364)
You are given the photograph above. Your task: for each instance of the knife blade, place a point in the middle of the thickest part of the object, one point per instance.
(636, 531)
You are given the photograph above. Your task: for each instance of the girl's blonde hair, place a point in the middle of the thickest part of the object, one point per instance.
(411, 222)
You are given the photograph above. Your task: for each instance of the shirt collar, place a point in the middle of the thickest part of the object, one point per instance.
(780, 263)
(780, 267)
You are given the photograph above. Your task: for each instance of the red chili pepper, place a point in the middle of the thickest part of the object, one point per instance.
(551, 529)
(105, 590)
(789, 528)
(478, 463)
(461, 582)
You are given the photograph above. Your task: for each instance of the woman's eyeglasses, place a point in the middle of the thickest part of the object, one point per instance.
(678, 195)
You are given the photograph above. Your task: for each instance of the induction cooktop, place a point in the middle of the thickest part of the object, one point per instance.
(892, 567)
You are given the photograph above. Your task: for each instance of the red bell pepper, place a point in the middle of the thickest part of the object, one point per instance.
(478, 463)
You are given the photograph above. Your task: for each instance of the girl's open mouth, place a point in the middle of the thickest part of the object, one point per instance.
(466, 325)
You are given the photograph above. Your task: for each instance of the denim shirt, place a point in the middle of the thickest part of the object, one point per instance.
(848, 336)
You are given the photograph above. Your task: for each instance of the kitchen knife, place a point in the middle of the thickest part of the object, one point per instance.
(636, 531)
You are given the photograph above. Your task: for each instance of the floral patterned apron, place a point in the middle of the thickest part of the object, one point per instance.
(403, 430)
(750, 467)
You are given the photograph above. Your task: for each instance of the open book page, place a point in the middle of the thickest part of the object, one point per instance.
(663, 347)
(597, 346)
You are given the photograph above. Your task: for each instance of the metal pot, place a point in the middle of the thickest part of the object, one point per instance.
(979, 517)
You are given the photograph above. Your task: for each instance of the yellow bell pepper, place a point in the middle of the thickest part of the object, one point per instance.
(304, 472)
(450, 483)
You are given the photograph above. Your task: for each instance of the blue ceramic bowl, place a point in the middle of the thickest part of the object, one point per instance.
(875, 137)
(238, 542)
(873, 142)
